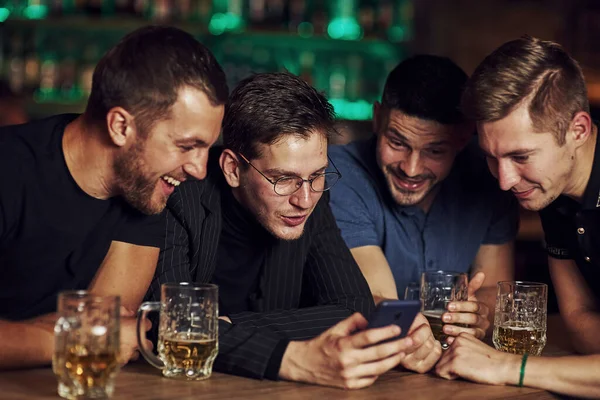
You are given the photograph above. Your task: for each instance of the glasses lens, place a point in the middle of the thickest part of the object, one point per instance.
(285, 186)
(330, 179)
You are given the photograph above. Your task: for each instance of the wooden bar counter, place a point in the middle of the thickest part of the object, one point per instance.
(141, 381)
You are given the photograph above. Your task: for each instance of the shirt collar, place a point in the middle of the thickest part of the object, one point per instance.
(591, 196)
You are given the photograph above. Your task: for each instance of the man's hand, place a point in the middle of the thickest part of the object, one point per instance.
(129, 343)
(426, 351)
(471, 312)
(345, 355)
(472, 359)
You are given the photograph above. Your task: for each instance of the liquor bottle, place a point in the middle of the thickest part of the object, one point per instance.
(401, 24)
(16, 63)
(297, 14)
(32, 62)
(343, 23)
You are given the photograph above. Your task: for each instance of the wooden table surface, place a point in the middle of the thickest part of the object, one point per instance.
(141, 381)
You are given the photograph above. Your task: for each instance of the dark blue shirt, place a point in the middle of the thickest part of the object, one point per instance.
(468, 211)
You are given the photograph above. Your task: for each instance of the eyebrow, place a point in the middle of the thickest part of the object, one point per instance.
(513, 153)
(397, 133)
(283, 172)
(192, 141)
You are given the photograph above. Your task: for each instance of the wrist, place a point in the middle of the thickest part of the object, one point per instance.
(290, 367)
(512, 369)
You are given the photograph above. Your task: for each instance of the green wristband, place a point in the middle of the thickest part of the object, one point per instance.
(523, 362)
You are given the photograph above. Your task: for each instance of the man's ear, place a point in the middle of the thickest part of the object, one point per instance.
(230, 165)
(121, 126)
(377, 108)
(581, 128)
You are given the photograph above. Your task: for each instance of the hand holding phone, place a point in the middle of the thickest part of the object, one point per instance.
(398, 312)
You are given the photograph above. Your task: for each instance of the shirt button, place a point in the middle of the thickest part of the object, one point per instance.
(581, 231)
(587, 259)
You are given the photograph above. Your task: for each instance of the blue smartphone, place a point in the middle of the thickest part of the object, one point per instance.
(399, 312)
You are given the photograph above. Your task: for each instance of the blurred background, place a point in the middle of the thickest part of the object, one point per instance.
(344, 48)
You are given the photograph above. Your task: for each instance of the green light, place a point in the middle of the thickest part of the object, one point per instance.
(344, 28)
(353, 110)
(35, 12)
(4, 13)
(217, 24)
(221, 23)
(397, 33)
(233, 21)
(305, 29)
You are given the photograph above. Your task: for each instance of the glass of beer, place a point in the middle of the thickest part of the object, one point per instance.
(187, 330)
(86, 350)
(438, 288)
(520, 318)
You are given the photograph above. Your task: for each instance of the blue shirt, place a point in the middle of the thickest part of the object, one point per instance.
(469, 210)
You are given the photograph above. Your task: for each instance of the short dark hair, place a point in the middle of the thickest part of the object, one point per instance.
(265, 107)
(533, 70)
(427, 87)
(145, 70)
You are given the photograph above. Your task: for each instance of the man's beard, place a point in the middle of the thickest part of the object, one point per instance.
(405, 197)
(135, 187)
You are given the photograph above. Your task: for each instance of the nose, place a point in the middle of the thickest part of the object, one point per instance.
(507, 175)
(412, 165)
(196, 165)
(302, 198)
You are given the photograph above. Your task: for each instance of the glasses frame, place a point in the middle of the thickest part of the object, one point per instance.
(310, 181)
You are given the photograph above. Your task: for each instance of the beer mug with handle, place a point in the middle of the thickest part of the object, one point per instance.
(520, 317)
(438, 288)
(187, 330)
(87, 346)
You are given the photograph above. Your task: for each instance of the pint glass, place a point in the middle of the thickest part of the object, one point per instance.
(86, 351)
(438, 288)
(520, 318)
(187, 332)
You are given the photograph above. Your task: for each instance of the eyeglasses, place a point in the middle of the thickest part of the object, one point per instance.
(287, 185)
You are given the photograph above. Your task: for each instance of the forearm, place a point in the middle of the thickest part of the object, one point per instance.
(583, 328)
(294, 324)
(573, 375)
(246, 351)
(26, 344)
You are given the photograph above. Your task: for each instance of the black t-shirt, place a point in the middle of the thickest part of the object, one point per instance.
(572, 229)
(53, 236)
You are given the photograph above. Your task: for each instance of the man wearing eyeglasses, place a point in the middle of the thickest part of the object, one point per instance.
(292, 298)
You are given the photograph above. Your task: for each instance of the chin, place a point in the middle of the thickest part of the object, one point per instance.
(288, 234)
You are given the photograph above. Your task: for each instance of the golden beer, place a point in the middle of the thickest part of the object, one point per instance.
(518, 339)
(435, 322)
(191, 354)
(79, 372)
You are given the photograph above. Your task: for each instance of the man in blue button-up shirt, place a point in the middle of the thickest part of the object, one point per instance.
(418, 196)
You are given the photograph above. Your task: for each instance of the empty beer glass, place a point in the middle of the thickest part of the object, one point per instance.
(187, 331)
(86, 352)
(438, 288)
(520, 318)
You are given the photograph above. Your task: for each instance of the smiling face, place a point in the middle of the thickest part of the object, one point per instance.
(283, 216)
(532, 165)
(415, 155)
(174, 149)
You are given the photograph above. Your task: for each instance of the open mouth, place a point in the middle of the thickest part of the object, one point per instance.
(171, 181)
(168, 184)
(410, 185)
(294, 220)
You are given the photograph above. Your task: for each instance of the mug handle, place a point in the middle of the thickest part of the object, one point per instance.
(143, 311)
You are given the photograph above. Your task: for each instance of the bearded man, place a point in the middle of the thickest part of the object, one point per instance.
(82, 193)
